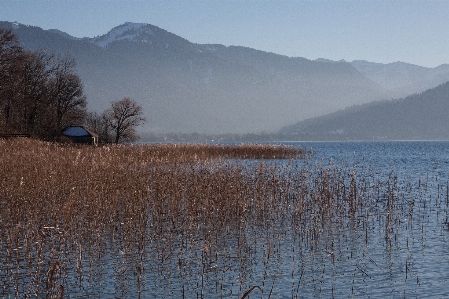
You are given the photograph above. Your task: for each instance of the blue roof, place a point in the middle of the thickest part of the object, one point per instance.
(77, 131)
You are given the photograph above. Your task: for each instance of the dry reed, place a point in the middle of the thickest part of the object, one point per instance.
(73, 215)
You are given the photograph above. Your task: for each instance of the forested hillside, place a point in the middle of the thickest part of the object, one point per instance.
(421, 116)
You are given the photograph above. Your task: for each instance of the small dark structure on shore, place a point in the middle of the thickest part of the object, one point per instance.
(79, 134)
(7, 136)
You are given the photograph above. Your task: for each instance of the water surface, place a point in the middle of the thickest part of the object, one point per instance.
(388, 238)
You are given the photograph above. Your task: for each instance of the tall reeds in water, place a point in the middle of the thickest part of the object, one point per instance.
(73, 218)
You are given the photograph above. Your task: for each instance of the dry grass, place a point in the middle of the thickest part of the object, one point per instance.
(64, 207)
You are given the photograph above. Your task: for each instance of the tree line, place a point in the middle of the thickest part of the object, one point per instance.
(41, 94)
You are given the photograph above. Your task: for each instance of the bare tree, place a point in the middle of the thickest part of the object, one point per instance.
(39, 91)
(66, 92)
(97, 123)
(31, 93)
(11, 56)
(10, 50)
(123, 118)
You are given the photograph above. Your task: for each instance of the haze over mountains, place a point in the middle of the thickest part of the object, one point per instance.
(402, 78)
(422, 116)
(188, 87)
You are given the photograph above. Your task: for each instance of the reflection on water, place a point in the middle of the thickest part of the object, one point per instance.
(353, 220)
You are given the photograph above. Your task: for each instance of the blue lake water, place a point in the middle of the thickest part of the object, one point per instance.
(416, 263)
(392, 243)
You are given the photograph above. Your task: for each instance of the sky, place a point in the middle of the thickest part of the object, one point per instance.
(383, 31)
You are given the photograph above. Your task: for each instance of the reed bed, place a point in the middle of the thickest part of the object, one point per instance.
(181, 221)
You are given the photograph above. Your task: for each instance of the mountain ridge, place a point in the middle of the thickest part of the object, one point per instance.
(401, 77)
(421, 116)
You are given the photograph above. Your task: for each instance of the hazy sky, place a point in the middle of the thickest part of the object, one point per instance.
(379, 31)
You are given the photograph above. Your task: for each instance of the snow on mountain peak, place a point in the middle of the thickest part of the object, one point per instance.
(136, 32)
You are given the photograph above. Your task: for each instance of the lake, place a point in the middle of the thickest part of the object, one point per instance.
(414, 261)
(355, 219)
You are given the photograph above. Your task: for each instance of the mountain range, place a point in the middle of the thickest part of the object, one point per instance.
(400, 77)
(205, 88)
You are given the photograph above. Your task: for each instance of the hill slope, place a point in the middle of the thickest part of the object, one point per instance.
(421, 116)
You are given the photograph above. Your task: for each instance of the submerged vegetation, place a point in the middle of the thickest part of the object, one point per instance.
(189, 221)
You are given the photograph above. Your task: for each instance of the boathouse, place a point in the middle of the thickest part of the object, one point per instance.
(80, 134)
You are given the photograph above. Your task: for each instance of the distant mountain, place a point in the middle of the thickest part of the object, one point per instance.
(423, 116)
(401, 78)
(187, 87)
